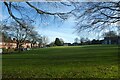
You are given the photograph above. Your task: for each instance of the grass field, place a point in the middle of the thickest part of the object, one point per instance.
(95, 61)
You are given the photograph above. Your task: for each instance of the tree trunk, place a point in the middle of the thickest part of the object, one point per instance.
(31, 45)
(18, 46)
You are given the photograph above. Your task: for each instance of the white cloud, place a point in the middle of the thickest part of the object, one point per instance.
(1, 16)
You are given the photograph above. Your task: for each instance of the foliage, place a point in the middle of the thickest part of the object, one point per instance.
(58, 42)
(9, 51)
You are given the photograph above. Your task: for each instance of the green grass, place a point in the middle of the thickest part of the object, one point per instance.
(95, 61)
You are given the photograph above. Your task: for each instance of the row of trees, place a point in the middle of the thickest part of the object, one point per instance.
(84, 41)
(94, 41)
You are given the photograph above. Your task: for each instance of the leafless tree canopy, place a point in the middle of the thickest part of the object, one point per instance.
(20, 34)
(89, 15)
(99, 15)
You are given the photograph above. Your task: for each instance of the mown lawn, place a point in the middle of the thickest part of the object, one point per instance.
(96, 61)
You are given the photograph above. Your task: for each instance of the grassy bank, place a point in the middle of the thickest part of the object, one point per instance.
(98, 61)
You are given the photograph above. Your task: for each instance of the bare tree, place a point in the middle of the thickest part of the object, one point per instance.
(34, 10)
(20, 34)
(89, 15)
(34, 37)
(45, 40)
(110, 34)
(98, 16)
(77, 40)
(82, 40)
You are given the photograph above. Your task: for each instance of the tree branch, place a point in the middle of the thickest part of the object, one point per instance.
(11, 14)
(48, 13)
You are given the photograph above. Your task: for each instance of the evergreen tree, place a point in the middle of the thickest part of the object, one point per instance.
(58, 42)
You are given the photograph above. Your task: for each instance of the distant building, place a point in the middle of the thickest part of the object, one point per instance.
(11, 43)
(27, 44)
(73, 44)
(67, 44)
(111, 40)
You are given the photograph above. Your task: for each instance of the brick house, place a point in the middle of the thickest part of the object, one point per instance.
(11, 43)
